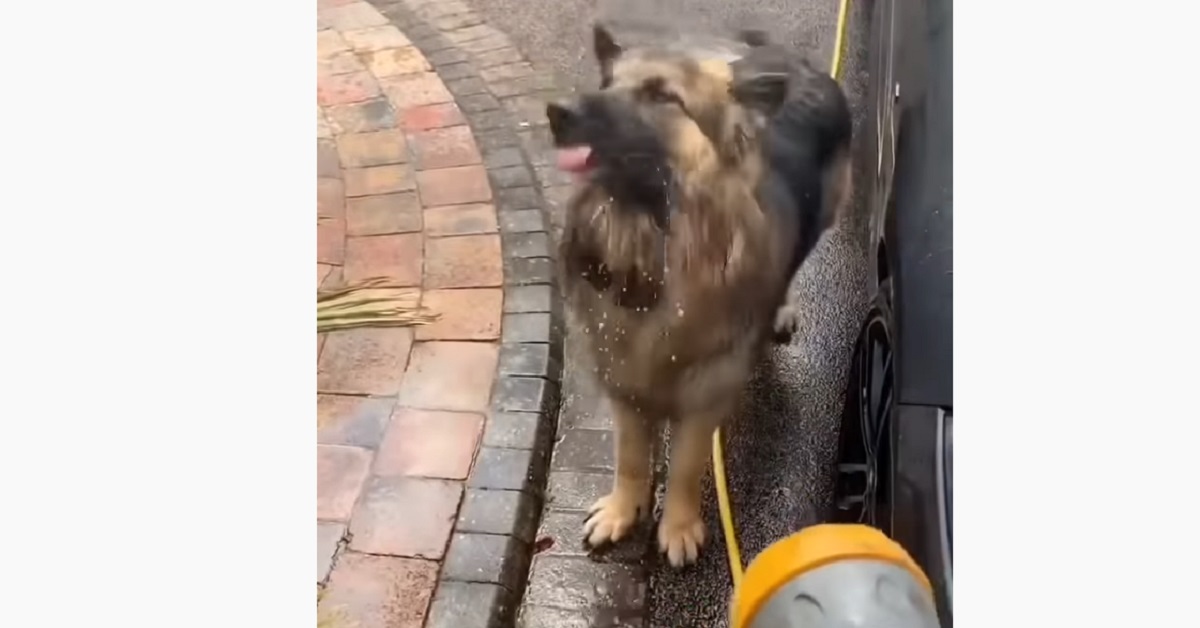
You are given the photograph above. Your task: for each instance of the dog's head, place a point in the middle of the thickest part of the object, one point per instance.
(661, 115)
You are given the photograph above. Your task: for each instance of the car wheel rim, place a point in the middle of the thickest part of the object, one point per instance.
(864, 491)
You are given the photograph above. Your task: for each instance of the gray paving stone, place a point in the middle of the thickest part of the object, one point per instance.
(507, 71)
(538, 144)
(499, 512)
(503, 157)
(486, 44)
(477, 103)
(522, 221)
(511, 199)
(546, 617)
(562, 531)
(516, 430)
(495, 58)
(448, 56)
(511, 176)
(471, 605)
(489, 558)
(524, 394)
(466, 86)
(508, 469)
(584, 450)
(527, 245)
(491, 119)
(460, 36)
(455, 71)
(523, 299)
(529, 359)
(526, 271)
(495, 138)
(577, 491)
(551, 176)
(528, 327)
(579, 583)
(518, 86)
(430, 11)
(461, 20)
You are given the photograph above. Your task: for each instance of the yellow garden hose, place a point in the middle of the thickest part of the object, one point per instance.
(836, 66)
(731, 545)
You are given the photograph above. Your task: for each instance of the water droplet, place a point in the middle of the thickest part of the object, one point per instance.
(672, 357)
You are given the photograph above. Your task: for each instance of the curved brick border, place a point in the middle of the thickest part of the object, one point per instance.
(503, 97)
(398, 131)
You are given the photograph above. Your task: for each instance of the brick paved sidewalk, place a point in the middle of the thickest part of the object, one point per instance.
(431, 440)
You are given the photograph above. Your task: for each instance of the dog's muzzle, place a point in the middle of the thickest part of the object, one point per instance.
(564, 118)
(574, 152)
(603, 136)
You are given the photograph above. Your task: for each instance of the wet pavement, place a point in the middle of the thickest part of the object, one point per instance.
(780, 449)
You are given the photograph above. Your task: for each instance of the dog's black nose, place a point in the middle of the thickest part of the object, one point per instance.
(562, 117)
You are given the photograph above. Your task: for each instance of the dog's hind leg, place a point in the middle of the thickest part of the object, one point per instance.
(837, 186)
(681, 532)
(836, 191)
(613, 515)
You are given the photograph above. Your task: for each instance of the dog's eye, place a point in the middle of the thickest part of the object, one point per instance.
(666, 97)
(656, 90)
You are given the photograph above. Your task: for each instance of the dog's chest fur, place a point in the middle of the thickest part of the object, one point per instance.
(665, 314)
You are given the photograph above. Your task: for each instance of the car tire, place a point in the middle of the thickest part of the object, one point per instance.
(862, 484)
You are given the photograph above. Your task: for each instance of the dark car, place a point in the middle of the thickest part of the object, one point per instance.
(896, 444)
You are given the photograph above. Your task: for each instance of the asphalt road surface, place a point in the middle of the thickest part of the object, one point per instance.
(780, 450)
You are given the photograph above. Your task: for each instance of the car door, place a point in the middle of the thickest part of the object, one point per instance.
(882, 126)
(918, 231)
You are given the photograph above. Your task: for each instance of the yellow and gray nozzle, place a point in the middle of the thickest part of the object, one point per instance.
(834, 576)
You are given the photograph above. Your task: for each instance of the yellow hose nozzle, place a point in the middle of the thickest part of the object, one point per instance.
(834, 574)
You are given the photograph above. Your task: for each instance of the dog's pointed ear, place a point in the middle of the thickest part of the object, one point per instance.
(606, 50)
(760, 80)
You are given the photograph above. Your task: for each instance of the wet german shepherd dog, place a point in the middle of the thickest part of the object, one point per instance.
(702, 185)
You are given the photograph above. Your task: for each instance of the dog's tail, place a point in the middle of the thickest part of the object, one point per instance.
(815, 100)
(816, 109)
(808, 149)
(754, 38)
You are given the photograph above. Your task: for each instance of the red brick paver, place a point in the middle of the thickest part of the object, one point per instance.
(368, 591)
(401, 193)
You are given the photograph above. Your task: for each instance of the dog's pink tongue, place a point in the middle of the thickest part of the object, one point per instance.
(574, 159)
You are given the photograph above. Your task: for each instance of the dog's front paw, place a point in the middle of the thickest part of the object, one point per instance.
(787, 321)
(681, 538)
(610, 519)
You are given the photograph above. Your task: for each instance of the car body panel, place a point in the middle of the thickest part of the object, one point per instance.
(945, 477)
(920, 504)
(910, 128)
(920, 228)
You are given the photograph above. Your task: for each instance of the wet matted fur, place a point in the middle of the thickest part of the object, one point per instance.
(702, 186)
